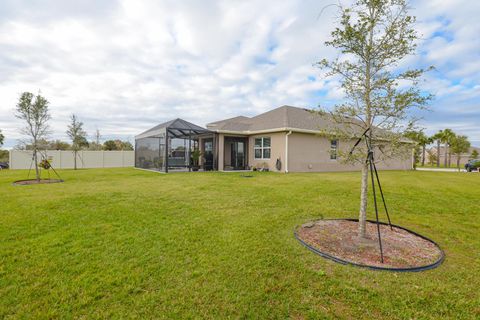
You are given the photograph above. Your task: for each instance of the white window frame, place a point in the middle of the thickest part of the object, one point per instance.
(334, 150)
(261, 148)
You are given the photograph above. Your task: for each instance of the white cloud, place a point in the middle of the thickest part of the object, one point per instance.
(125, 66)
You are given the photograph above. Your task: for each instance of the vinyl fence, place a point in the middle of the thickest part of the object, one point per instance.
(20, 159)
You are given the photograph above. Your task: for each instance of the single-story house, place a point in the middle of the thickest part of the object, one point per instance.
(285, 139)
(431, 155)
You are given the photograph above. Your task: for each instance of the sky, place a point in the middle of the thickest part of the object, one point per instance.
(124, 66)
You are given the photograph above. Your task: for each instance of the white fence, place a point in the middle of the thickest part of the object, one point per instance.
(20, 159)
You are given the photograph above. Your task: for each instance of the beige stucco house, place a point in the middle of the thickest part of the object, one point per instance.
(285, 139)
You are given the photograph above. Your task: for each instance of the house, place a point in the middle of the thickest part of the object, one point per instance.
(431, 156)
(285, 139)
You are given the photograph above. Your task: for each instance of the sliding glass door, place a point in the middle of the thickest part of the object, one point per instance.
(238, 155)
(235, 156)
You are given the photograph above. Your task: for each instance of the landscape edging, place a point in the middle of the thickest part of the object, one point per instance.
(345, 262)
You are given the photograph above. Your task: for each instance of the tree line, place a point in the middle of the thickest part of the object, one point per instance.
(453, 145)
(108, 145)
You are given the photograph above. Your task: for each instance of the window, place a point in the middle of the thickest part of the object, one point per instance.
(262, 148)
(333, 149)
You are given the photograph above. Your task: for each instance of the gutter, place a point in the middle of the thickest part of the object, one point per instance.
(252, 132)
(286, 150)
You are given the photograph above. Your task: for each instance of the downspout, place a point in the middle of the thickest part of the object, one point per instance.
(286, 150)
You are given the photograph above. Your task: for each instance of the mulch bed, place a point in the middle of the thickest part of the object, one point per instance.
(339, 238)
(35, 181)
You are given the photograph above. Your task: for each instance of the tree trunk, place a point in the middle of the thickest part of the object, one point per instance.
(35, 159)
(75, 160)
(362, 217)
(438, 153)
(423, 155)
(414, 158)
(458, 162)
(449, 157)
(445, 156)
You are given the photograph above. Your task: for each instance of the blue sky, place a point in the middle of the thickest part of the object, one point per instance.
(124, 66)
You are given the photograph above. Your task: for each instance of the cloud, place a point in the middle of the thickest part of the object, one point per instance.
(124, 66)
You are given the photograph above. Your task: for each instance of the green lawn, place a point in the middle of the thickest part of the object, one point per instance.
(453, 165)
(124, 243)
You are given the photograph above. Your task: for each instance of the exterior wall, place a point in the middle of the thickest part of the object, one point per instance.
(311, 153)
(277, 151)
(306, 153)
(202, 150)
(221, 150)
(20, 159)
(227, 154)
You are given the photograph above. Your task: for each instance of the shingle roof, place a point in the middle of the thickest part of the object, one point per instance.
(279, 118)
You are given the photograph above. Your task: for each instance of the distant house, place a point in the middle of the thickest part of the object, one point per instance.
(464, 157)
(285, 139)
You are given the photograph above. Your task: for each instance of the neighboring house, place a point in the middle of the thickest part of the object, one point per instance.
(463, 158)
(285, 139)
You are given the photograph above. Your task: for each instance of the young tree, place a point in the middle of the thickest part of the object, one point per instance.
(34, 111)
(459, 145)
(2, 137)
(95, 144)
(474, 154)
(78, 136)
(97, 136)
(373, 36)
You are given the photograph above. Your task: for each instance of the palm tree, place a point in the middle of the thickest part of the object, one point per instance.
(422, 141)
(447, 138)
(438, 137)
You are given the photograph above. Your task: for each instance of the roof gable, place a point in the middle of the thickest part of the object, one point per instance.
(284, 117)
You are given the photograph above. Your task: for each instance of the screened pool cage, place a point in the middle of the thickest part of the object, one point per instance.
(176, 145)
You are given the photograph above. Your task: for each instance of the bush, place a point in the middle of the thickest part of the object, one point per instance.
(4, 156)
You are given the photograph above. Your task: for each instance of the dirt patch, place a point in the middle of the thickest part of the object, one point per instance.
(339, 238)
(35, 181)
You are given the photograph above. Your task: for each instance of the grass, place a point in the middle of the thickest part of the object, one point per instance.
(453, 165)
(124, 243)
